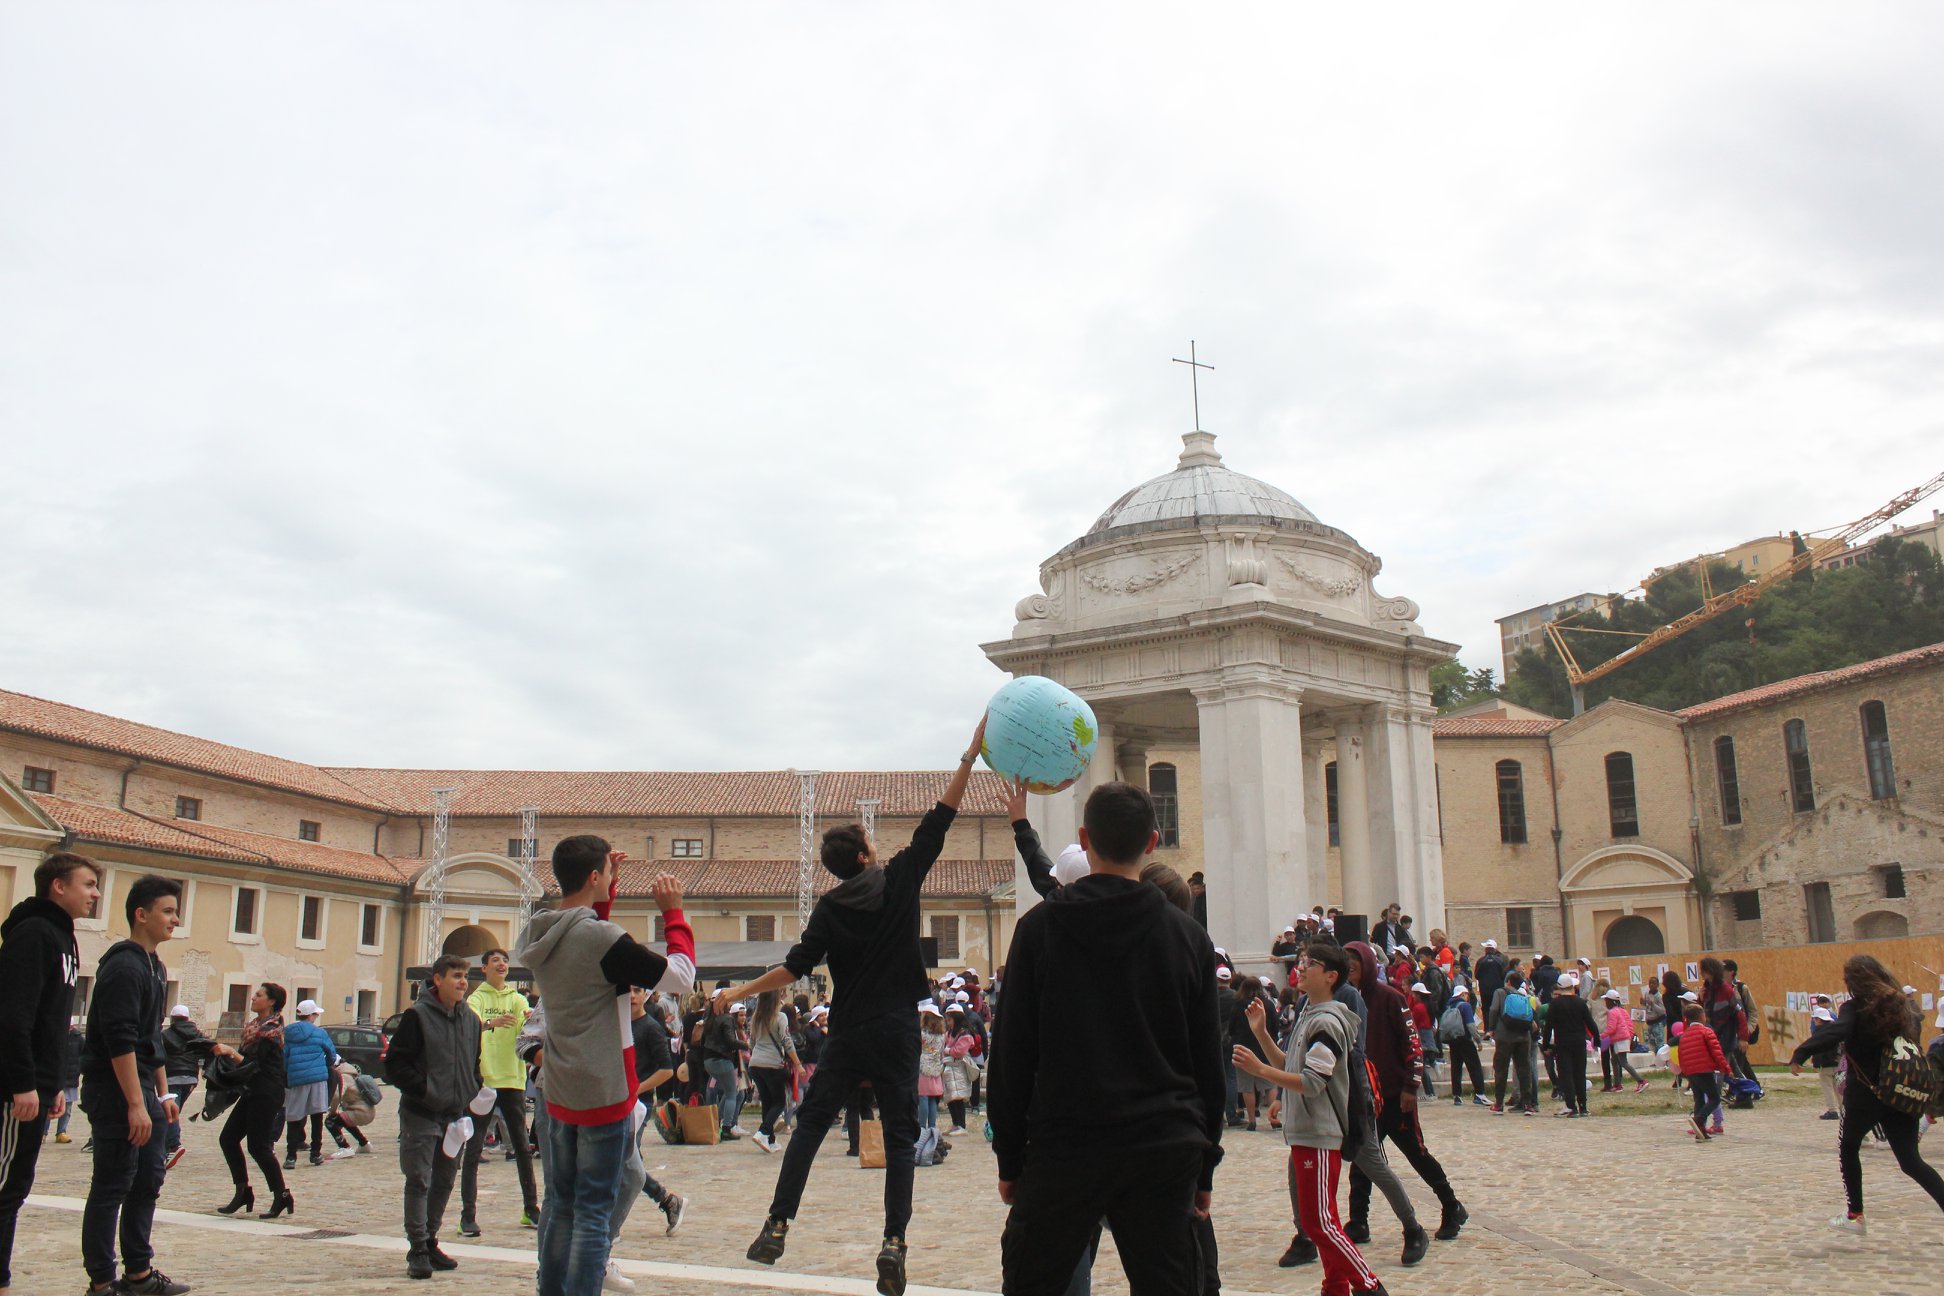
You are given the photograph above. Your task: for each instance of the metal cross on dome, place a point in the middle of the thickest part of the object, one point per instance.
(1194, 378)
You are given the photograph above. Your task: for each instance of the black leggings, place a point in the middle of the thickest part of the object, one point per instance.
(294, 1140)
(957, 1108)
(256, 1117)
(1571, 1057)
(773, 1084)
(1861, 1112)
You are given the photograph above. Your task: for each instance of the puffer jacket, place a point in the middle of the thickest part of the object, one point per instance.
(309, 1054)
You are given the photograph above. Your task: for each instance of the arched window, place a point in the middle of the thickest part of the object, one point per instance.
(1802, 788)
(1876, 751)
(1511, 801)
(1623, 810)
(1882, 925)
(1634, 935)
(1728, 780)
(1167, 803)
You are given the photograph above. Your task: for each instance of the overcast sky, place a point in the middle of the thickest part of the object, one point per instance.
(691, 386)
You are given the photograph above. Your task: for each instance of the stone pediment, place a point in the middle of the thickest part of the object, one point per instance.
(1625, 866)
(24, 824)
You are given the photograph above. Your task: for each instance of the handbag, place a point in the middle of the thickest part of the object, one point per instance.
(668, 1121)
(1905, 1082)
(699, 1124)
(870, 1145)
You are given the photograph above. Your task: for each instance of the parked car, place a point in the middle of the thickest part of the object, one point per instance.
(362, 1044)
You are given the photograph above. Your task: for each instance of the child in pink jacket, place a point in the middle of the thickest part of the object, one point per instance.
(1617, 1040)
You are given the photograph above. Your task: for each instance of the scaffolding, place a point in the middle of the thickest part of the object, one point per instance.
(806, 843)
(529, 878)
(435, 879)
(867, 815)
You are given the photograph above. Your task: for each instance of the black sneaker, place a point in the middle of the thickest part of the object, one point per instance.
(154, 1283)
(468, 1226)
(1417, 1244)
(290, 1162)
(1358, 1231)
(1301, 1251)
(417, 1264)
(891, 1265)
(316, 1157)
(768, 1246)
(439, 1259)
(1454, 1219)
(672, 1210)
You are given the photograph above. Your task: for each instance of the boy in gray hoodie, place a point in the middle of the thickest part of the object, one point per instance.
(583, 965)
(1315, 1077)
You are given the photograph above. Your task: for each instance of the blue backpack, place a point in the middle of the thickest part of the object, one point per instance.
(1518, 1006)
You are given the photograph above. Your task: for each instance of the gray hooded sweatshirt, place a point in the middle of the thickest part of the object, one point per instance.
(1319, 1051)
(583, 966)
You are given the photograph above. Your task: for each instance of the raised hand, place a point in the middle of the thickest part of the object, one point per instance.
(667, 891)
(1016, 801)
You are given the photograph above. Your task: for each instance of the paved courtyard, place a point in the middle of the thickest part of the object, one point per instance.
(1623, 1203)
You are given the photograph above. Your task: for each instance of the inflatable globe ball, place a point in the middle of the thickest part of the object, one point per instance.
(1040, 734)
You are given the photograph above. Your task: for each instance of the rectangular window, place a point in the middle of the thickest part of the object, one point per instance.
(1727, 780)
(1511, 802)
(1822, 913)
(188, 807)
(945, 930)
(1623, 811)
(310, 925)
(309, 830)
(243, 917)
(1330, 802)
(516, 848)
(759, 927)
(370, 926)
(36, 779)
(303, 993)
(1518, 929)
(1748, 905)
(1876, 751)
(1167, 803)
(685, 848)
(1893, 881)
(1802, 784)
(367, 1007)
(239, 998)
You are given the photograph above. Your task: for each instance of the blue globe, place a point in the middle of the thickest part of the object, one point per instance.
(1039, 733)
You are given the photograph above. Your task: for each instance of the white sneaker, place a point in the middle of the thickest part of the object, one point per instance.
(738, 1131)
(768, 1144)
(956, 1129)
(616, 1281)
(1844, 1224)
(342, 1153)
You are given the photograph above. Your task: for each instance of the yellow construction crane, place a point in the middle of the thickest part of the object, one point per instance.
(1713, 604)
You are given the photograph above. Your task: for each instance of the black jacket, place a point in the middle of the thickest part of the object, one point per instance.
(125, 1016)
(867, 930)
(1072, 1079)
(39, 963)
(433, 1060)
(1490, 975)
(187, 1047)
(1569, 1022)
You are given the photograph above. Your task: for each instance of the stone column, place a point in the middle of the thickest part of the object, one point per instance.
(1316, 827)
(1252, 809)
(1131, 757)
(1360, 890)
(1406, 856)
(1057, 817)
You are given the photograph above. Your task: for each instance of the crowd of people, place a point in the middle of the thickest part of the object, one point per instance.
(1335, 1048)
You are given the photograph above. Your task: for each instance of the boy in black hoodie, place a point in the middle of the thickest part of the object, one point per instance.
(39, 963)
(125, 1093)
(1094, 1117)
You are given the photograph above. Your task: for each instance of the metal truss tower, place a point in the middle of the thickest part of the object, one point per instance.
(806, 842)
(867, 815)
(529, 877)
(435, 884)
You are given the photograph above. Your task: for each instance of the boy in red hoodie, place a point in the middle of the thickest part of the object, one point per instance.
(1701, 1062)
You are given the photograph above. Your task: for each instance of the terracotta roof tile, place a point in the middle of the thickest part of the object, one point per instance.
(1491, 727)
(743, 879)
(1930, 655)
(633, 793)
(57, 720)
(118, 827)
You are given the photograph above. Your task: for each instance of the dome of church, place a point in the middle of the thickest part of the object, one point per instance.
(1199, 487)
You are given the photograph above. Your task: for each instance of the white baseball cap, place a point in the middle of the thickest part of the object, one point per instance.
(1461, 990)
(1691, 997)
(1569, 978)
(1290, 930)
(308, 1008)
(1583, 961)
(963, 996)
(180, 1010)
(958, 1008)
(820, 1010)
(1910, 989)
(1418, 987)
(1221, 974)
(1221, 951)
(926, 1007)
(738, 1007)
(1072, 865)
(1491, 944)
(1611, 994)
(1820, 1013)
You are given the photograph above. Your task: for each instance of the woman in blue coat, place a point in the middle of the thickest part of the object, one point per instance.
(310, 1076)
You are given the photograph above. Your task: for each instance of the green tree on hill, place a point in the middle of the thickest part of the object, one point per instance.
(1889, 604)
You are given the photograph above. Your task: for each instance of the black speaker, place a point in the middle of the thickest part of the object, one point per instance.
(1351, 927)
(928, 950)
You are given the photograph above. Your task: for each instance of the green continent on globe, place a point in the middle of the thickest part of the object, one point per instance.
(1082, 732)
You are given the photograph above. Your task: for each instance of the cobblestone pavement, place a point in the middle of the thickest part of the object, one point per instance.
(1618, 1204)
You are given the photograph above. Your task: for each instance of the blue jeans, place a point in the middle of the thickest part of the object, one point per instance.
(583, 1165)
(181, 1088)
(927, 1112)
(67, 1112)
(725, 1091)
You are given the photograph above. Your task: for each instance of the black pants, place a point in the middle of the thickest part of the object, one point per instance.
(1402, 1129)
(256, 1118)
(127, 1180)
(510, 1106)
(20, 1145)
(884, 1052)
(773, 1085)
(860, 1107)
(1464, 1060)
(1607, 1078)
(1861, 1112)
(294, 1140)
(1738, 1062)
(1571, 1059)
(1147, 1199)
(340, 1129)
